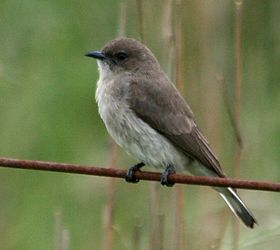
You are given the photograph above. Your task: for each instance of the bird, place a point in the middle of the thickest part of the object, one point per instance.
(147, 116)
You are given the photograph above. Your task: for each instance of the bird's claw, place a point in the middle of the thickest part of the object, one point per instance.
(164, 176)
(130, 177)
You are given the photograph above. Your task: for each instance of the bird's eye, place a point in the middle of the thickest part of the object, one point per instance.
(121, 56)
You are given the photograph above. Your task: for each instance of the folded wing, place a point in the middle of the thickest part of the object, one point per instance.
(163, 108)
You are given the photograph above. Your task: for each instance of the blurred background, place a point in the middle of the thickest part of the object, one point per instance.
(222, 54)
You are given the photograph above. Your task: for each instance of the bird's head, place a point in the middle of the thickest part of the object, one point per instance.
(125, 54)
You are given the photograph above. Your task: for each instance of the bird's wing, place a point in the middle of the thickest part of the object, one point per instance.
(164, 109)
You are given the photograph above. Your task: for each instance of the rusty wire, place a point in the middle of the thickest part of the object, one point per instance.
(142, 175)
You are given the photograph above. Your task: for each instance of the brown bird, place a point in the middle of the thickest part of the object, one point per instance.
(146, 115)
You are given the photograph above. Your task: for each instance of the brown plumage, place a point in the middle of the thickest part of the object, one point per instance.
(147, 116)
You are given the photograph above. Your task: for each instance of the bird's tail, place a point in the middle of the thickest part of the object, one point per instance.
(228, 194)
(237, 206)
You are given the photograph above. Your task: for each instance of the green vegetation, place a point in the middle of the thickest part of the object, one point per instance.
(48, 112)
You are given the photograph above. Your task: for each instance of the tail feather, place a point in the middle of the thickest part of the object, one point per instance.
(228, 194)
(238, 207)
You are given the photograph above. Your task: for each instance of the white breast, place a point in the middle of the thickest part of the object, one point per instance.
(130, 132)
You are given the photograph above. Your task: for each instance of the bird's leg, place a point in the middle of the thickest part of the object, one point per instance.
(130, 172)
(170, 169)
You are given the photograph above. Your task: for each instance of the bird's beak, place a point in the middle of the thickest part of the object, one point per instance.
(96, 54)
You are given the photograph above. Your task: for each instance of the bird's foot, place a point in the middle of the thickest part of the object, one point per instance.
(130, 172)
(170, 169)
